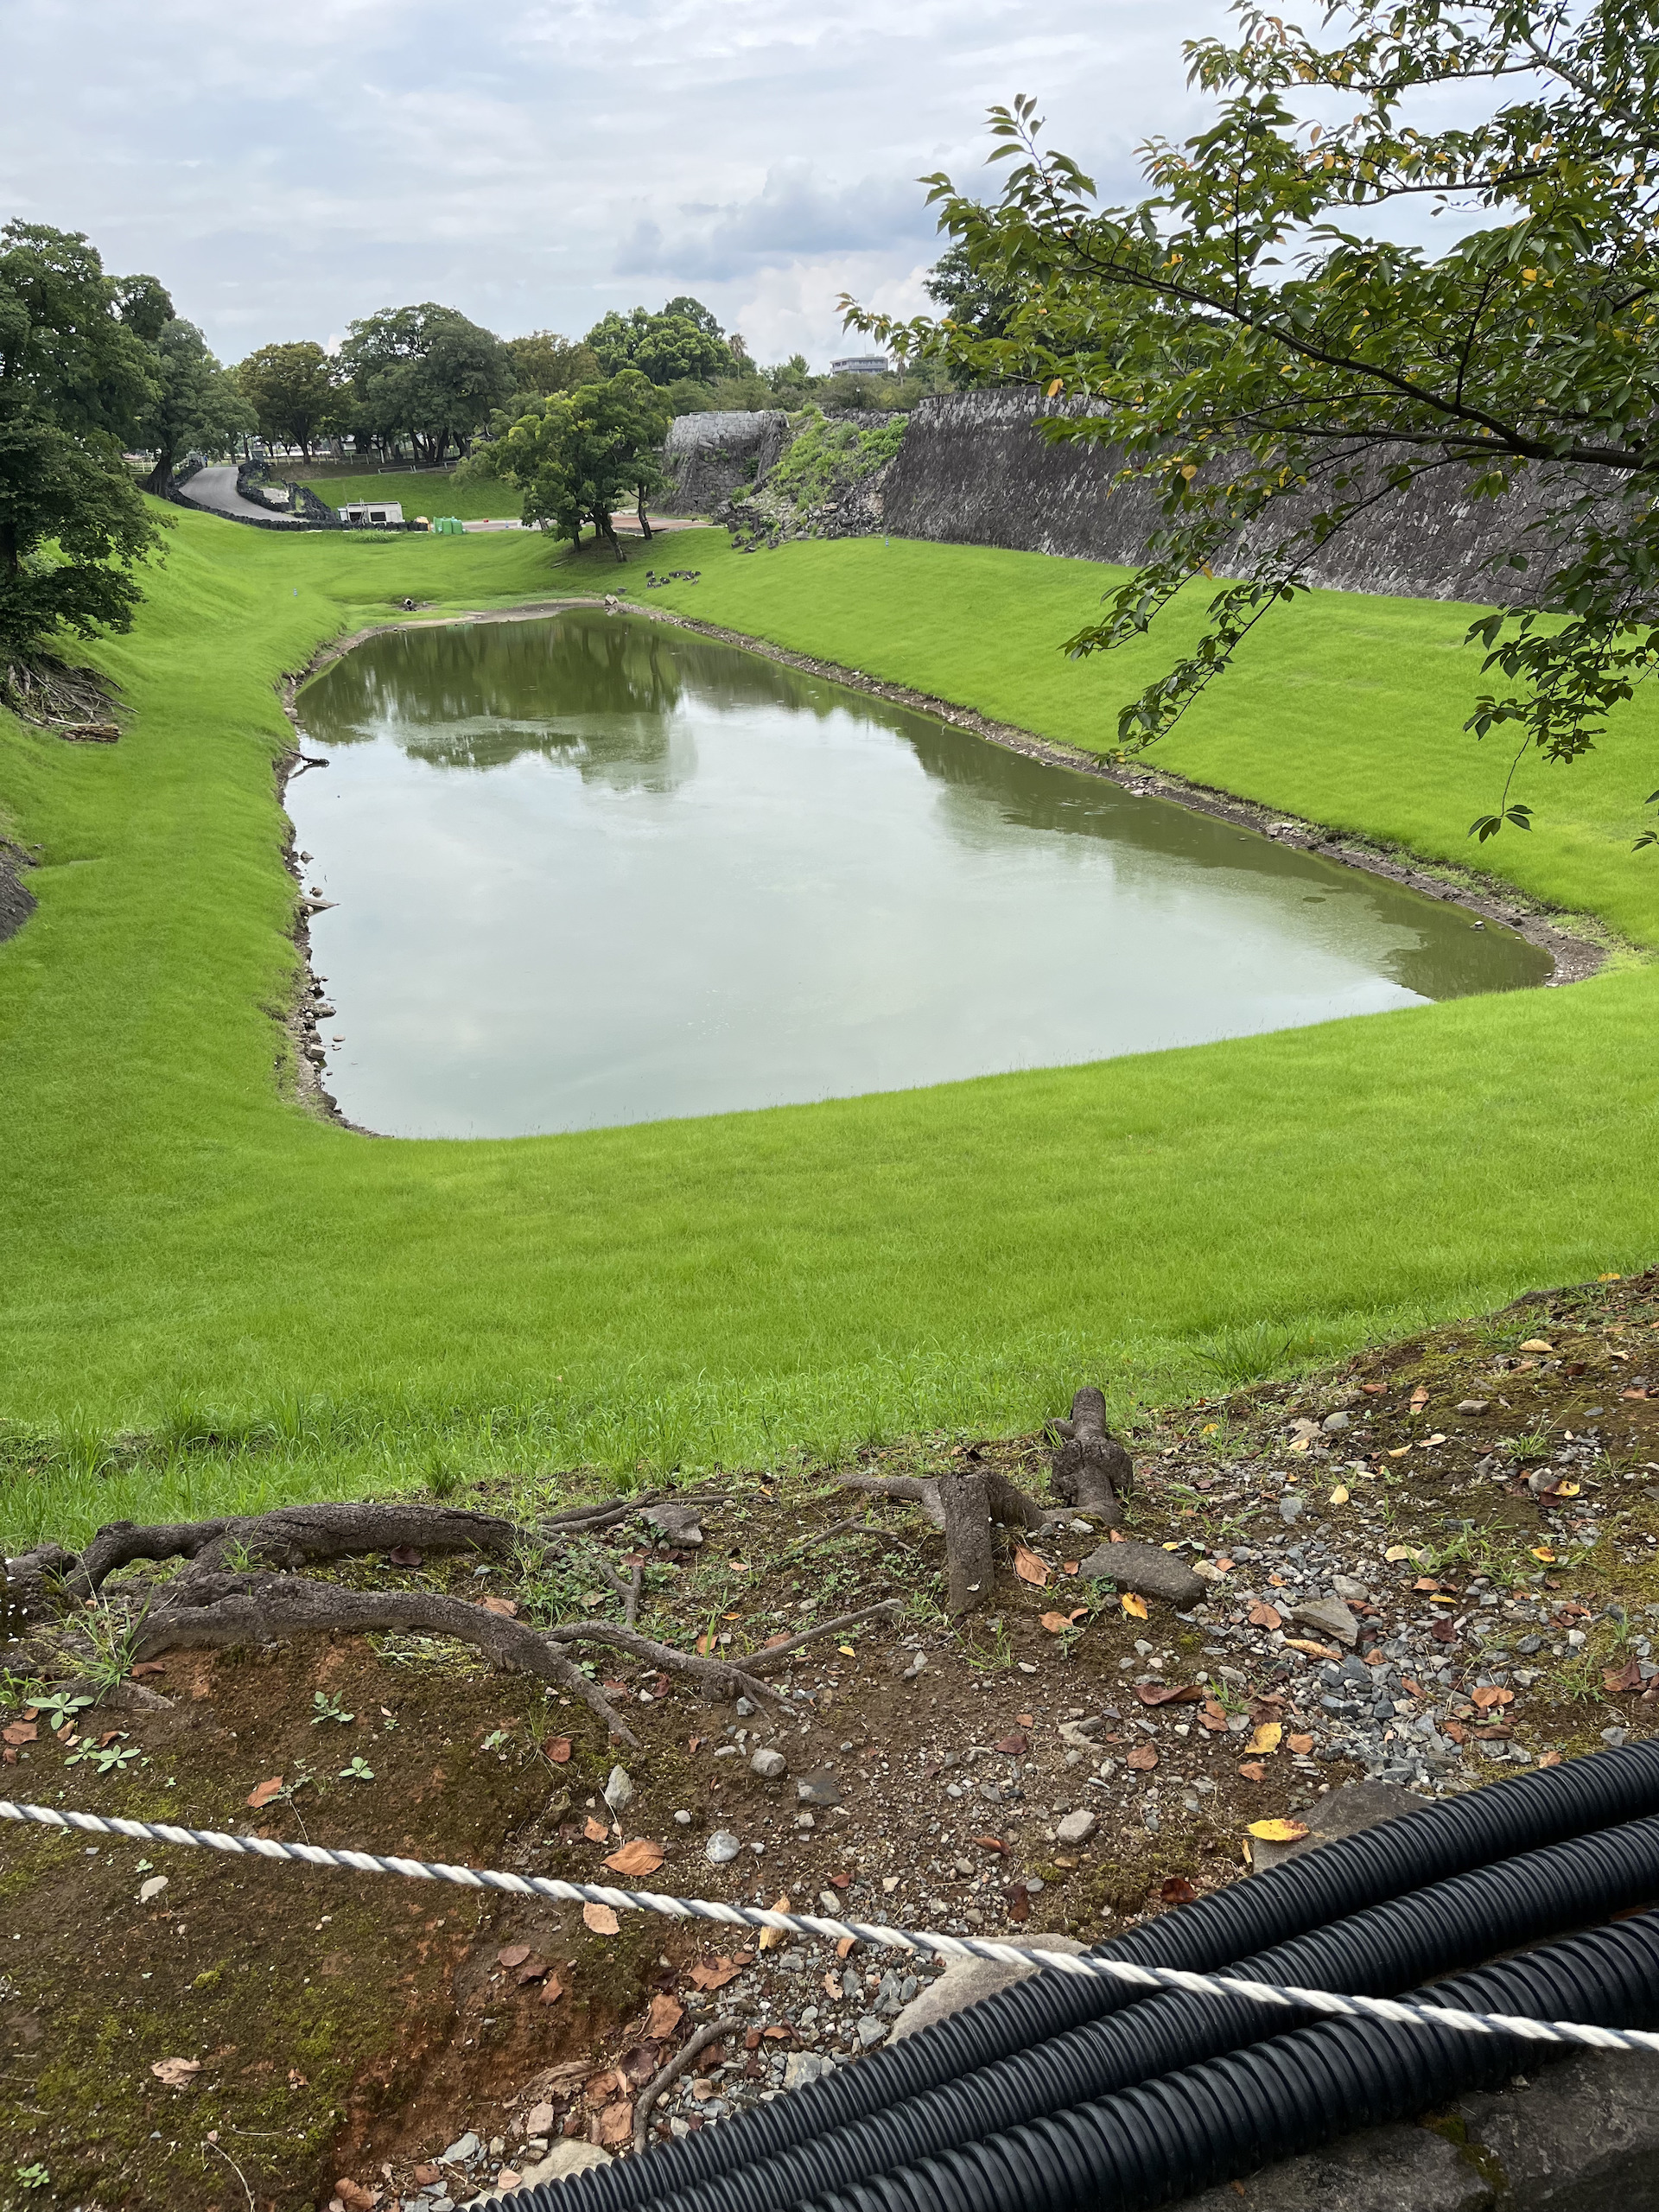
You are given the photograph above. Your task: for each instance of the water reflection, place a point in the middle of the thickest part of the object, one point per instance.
(680, 878)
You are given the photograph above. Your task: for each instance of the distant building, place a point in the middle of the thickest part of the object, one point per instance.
(371, 510)
(862, 364)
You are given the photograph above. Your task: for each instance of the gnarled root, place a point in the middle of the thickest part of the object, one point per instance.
(1092, 1469)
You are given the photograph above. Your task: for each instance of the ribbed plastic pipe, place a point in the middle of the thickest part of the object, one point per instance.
(1524, 1812)
(1210, 2123)
(1378, 1952)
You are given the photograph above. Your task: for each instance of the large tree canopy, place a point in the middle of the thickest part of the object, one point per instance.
(294, 390)
(77, 379)
(198, 405)
(579, 455)
(1259, 356)
(682, 340)
(425, 373)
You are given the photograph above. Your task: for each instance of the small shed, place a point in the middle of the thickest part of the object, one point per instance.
(371, 510)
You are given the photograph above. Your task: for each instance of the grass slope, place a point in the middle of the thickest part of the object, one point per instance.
(421, 493)
(286, 1308)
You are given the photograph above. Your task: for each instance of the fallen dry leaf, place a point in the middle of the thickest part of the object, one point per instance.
(717, 1976)
(1301, 1744)
(989, 1842)
(600, 1919)
(1028, 1566)
(1027, 1720)
(665, 2015)
(595, 1831)
(262, 1794)
(531, 1969)
(406, 1555)
(559, 1750)
(514, 1955)
(1268, 1738)
(1487, 1697)
(552, 1990)
(845, 1948)
(1170, 1693)
(847, 1651)
(507, 1607)
(1543, 1552)
(1309, 1649)
(1055, 1624)
(1617, 1680)
(616, 2124)
(637, 1857)
(1013, 1747)
(21, 1732)
(1339, 1496)
(1268, 1617)
(1177, 1891)
(176, 2073)
(1142, 1758)
(832, 1985)
(1550, 1758)
(1278, 1831)
(1253, 1771)
(1536, 1343)
(355, 2196)
(1134, 1606)
(771, 1937)
(1396, 1552)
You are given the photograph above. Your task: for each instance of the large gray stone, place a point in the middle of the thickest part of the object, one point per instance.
(1146, 1569)
(1383, 2170)
(562, 2161)
(971, 1981)
(1347, 1811)
(1331, 1617)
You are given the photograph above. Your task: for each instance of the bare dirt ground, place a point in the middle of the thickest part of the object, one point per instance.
(1480, 1506)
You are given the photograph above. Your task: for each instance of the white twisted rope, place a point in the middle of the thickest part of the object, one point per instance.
(796, 1923)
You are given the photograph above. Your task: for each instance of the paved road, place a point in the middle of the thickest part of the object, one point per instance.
(215, 489)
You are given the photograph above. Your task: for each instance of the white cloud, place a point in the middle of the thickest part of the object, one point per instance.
(287, 170)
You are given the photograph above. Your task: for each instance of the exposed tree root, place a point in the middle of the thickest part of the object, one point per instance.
(666, 2076)
(775, 1655)
(1091, 1468)
(725, 1677)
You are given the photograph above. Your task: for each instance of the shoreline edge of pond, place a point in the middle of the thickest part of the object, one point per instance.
(1575, 958)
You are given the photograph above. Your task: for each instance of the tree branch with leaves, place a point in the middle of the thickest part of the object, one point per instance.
(1272, 371)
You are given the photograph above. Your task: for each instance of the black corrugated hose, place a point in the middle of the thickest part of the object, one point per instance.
(1376, 1954)
(1447, 1838)
(1207, 2124)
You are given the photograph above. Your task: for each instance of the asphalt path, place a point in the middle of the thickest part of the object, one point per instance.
(215, 489)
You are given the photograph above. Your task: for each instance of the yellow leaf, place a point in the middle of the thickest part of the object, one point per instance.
(1267, 1737)
(1339, 1496)
(1610, 1278)
(1543, 1552)
(1134, 1606)
(1567, 1490)
(601, 1919)
(771, 1937)
(1278, 1831)
(1536, 1343)
(1399, 1450)
(1056, 387)
(1300, 1445)
(1028, 1566)
(1396, 1552)
(847, 1651)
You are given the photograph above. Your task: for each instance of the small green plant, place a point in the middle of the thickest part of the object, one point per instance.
(114, 1644)
(239, 1560)
(496, 1739)
(55, 1707)
(324, 1707)
(997, 1657)
(107, 1758)
(442, 1476)
(358, 1770)
(33, 2177)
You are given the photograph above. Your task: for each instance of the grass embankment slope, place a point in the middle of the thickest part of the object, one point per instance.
(290, 1309)
(420, 491)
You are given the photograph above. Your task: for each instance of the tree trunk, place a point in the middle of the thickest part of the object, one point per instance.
(156, 480)
(1091, 1468)
(645, 520)
(969, 1567)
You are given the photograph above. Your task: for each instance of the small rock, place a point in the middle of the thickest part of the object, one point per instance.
(804, 2066)
(721, 1847)
(769, 1764)
(1147, 1570)
(1335, 1422)
(152, 1888)
(1330, 1615)
(1615, 1736)
(538, 2119)
(562, 2161)
(678, 1524)
(683, 1820)
(1076, 1827)
(618, 1790)
(464, 2147)
(745, 1709)
(1292, 1506)
(871, 2030)
(819, 1788)
(1473, 1405)
(1346, 1587)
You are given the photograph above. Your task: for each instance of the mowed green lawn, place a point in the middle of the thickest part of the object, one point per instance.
(284, 1309)
(420, 493)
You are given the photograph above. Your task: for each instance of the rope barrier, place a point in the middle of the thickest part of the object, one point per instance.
(882, 1938)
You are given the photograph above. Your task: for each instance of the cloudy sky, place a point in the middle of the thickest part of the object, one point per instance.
(285, 169)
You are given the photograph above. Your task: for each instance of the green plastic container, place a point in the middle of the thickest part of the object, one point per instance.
(448, 525)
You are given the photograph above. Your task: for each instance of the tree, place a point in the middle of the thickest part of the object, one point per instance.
(683, 340)
(293, 390)
(576, 456)
(425, 373)
(76, 381)
(1273, 371)
(198, 403)
(544, 362)
(978, 297)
